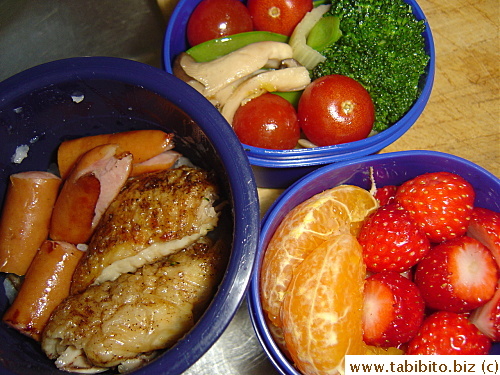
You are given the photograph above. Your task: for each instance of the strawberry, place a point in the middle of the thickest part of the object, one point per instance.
(458, 275)
(448, 333)
(487, 317)
(385, 194)
(391, 240)
(393, 309)
(484, 226)
(440, 202)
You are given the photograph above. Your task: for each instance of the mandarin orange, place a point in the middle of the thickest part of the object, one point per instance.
(322, 308)
(335, 211)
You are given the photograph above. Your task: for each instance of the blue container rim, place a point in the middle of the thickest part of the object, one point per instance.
(234, 285)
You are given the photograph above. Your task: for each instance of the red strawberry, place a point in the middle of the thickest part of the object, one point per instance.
(448, 333)
(385, 194)
(441, 203)
(487, 317)
(457, 275)
(393, 309)
(484, 226)
(391, 240)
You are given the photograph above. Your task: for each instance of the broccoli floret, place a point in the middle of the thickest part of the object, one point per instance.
(382, 47)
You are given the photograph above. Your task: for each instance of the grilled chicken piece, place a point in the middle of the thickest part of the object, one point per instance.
(119, 322)
(154, 215)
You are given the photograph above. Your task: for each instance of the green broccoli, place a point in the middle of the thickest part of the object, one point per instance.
(382, 47)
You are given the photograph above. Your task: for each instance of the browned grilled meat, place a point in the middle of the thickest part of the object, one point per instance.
(154, 215)
(121, 321)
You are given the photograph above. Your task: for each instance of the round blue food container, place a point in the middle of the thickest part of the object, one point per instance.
(280, 168)
(388, 169)
(77, 97)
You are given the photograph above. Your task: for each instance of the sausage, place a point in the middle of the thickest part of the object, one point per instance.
(25, 220)
(162, 161)
(143, 144)
(46, 285)
(91, 186)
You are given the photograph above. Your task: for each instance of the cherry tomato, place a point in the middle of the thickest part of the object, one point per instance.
(267, 121)
(213, 19)
(278, 16)
(335, 109)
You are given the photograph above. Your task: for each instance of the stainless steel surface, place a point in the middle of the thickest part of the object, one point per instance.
(33, 32)
(236, 352)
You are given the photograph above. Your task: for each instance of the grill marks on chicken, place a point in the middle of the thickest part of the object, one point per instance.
(120, 321)
(148, 274)
(153, 216)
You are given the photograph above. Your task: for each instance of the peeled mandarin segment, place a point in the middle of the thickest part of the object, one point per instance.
(359, 203)
(304, 228)
(322, 308)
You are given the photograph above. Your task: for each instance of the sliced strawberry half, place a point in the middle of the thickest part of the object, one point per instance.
(484, 226)
(458, 275)
(441, 203)
(393, 309)
(487, 317)
(448, 333)
(391, 240)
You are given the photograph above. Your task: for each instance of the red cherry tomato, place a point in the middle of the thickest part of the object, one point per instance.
(267, 121)
(213, 19)
(278, 16)
(335, 109)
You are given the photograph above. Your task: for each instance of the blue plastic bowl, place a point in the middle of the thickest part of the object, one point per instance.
(280, 168)
(38, 108)
(388, 169)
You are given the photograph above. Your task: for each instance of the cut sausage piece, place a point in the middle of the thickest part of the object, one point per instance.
(143, 144)
(26, 218)
(162, 161)
(93, 183)
(45, 286)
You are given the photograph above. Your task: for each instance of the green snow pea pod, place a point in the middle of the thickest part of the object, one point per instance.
(215, 48)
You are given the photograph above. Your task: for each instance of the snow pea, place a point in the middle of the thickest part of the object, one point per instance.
(324, 33)
(291, 96)
(215, 48)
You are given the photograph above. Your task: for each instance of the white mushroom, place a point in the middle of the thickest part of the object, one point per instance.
(216, 74)
(223, 95)
(289, 79)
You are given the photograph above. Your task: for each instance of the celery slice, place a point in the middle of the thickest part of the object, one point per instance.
(303, 53)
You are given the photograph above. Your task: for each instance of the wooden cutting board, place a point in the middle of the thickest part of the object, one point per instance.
(462, 116)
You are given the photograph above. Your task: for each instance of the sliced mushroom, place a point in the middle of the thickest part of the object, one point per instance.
(216, 74)
(289, 63)
(289, 79)
(223, 95)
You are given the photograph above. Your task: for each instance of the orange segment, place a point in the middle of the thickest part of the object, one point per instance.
(322, 308)
(332, 212)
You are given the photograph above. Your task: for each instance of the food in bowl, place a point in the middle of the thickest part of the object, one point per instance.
(245, 78)
(116, 95)
(130, 258)
(292, 314)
